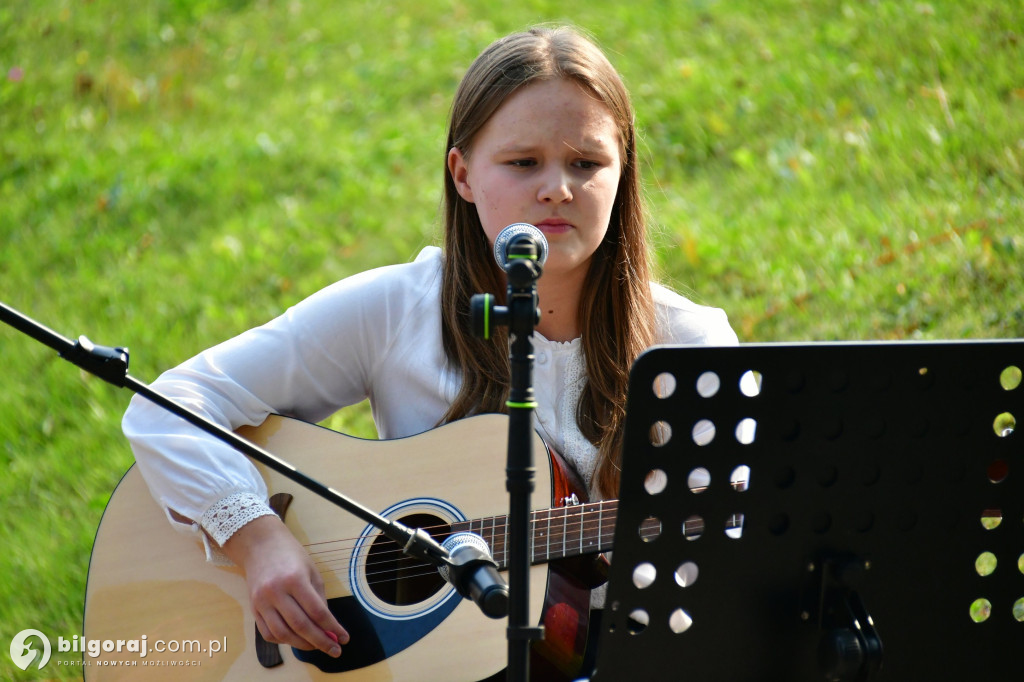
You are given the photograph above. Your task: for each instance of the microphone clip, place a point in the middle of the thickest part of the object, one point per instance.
(523, 266)
(473, 573)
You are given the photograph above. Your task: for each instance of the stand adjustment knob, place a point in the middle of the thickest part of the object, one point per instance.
(841, 655)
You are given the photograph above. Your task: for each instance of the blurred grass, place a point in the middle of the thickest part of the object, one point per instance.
(173, 173)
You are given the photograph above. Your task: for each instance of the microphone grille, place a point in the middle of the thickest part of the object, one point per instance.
(454, 543)
(514, 230)
(458, 540)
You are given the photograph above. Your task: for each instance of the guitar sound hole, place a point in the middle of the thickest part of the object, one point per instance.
(397, 578)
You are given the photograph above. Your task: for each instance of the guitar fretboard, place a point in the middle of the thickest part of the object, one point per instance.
(557, 533)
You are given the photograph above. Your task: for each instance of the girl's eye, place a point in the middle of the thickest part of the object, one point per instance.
(522, 163)
(587, 165)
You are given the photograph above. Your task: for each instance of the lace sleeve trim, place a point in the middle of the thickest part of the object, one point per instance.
(225, 517)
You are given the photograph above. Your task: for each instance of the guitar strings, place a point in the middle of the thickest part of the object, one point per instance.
(411, 568)
(497, 526)
(388, 576)
(575, 525)
(565, 520)
(572, 525)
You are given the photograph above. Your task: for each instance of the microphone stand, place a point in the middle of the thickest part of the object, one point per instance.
(111, 365)
(520, 315)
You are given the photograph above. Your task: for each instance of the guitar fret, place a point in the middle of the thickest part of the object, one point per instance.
(498, 530)
(555, 533)
(501, 540)
(565, 529)
(487, 536)
(547, 551)
(558, 534)
(579, 526)
(506, 541)
(586, 524)
(614, 504)
(552, 542)
(582, 532)
(538, 551)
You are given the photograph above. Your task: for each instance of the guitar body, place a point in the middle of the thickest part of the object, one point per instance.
(145, 580)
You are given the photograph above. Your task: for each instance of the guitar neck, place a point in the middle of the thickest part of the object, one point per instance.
(557, 533)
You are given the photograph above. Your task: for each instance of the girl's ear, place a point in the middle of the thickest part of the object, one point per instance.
(460, 173)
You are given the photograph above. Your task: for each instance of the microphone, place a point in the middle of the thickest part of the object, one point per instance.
(515, 233)
(474, 574)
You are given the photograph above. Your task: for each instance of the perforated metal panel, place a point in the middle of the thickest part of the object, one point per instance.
(765, 487)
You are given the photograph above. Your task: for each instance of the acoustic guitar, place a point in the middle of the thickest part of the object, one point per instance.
(153, 586)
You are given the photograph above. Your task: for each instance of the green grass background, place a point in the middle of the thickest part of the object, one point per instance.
(172, 173)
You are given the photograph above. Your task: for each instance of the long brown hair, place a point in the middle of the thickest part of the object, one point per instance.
(616, 315)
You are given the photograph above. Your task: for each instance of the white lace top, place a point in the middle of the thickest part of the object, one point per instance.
(375, 335)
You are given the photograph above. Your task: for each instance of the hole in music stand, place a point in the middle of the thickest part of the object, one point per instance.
(686, 574)
(644, 575)
(985, 564)
(703, 432)
(708, 384)
(1004, 424)
(664, 385)
(1010, 378)
(679, 621)
(981, 610)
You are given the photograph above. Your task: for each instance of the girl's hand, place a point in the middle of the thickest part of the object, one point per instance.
(285, 589)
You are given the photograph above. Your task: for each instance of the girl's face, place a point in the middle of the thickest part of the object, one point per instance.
(549, 156)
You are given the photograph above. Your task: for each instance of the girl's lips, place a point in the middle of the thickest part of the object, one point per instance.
(553, 226)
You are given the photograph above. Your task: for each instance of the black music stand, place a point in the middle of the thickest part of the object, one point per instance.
(858, 514)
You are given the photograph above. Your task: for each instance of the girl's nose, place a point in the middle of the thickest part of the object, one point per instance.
(555, 188)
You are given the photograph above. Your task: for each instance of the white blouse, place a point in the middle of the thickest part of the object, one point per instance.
(374, 335)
